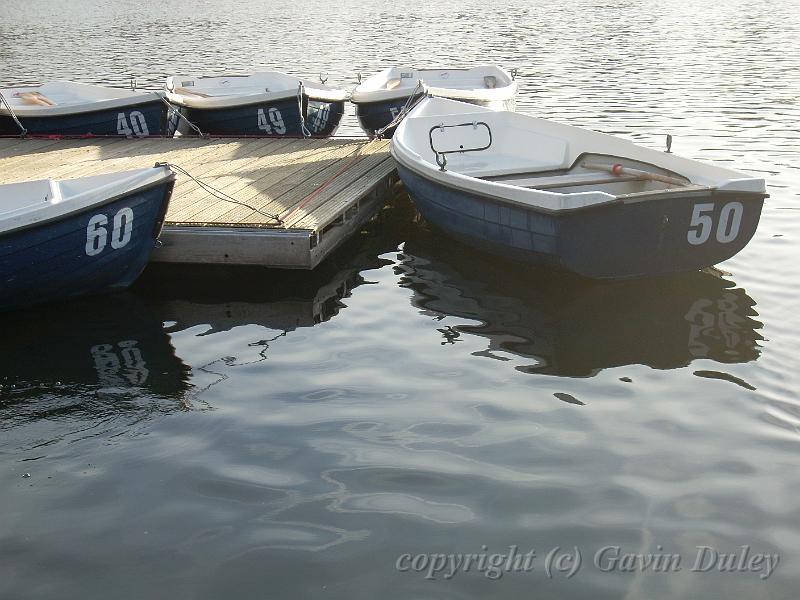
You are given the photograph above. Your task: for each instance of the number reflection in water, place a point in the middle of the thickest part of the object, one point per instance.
(571, 326)
(75, 366)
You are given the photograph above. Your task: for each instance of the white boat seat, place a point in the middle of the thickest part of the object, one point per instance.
(36, 98)
(569, 179)
(481, 165)
(188, 92)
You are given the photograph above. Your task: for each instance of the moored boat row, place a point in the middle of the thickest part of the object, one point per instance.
(268, 103)
(529, 189)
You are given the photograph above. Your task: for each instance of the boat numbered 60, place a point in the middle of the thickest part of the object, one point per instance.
(61, 239)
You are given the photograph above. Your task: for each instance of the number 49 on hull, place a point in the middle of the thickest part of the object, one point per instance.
(261, 104)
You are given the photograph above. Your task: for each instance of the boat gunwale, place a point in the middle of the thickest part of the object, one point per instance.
(381, 95)
(169, 178)
(86, 108)
(647, 196)
(249, 96)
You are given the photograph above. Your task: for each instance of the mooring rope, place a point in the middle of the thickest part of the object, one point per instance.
(13, 115)
(177, 111)
(300, 92)
(219, 194)
(412, 101)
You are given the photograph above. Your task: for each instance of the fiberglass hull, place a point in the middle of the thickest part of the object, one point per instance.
(101, 248)
(135, 120)
(373, 116)
(278, 118)
(668, 233)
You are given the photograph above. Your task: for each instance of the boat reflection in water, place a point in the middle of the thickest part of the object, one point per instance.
(96, 360)
(576, 327)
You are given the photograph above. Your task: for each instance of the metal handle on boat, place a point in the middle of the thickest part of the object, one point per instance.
(441, 159)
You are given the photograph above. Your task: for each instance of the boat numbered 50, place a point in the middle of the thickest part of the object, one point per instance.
(728, 223)
(570, 198)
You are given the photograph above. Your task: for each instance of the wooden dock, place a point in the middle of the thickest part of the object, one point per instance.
(323, 190)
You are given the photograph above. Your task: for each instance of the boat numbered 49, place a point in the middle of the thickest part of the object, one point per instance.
(557, 195)
(261, 104)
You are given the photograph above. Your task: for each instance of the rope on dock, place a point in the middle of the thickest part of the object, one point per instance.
(219, 194)
(357, 155)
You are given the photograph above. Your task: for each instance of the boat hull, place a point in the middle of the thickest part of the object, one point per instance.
(280, 118)
(83, 253)
(373, 116)
(136, 120)
(615, 240)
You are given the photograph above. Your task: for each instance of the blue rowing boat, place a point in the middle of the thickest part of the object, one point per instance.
(269, 104)
(77, 109)
(381, 99)
(560, 196)
(62, 239)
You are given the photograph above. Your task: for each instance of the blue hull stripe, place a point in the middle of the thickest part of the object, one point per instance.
(375, 115)
(129, 121)
(612, 241)
(50, 262)
(281, 118)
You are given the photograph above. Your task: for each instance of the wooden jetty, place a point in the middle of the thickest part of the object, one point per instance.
(323, 190)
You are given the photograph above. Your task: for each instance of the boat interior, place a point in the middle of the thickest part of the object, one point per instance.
(237, 85)
(597, 173)
(62, 93)
(486, 146)
(17, 196)
(487, 77)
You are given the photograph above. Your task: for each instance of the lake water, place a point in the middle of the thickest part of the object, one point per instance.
(250, 434)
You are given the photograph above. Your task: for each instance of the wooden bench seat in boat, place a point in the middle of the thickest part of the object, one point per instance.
(554, 181)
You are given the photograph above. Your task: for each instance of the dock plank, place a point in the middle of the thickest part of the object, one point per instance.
(271, 193)
(266, 173)
(319, 188)
(323, 214)
(275, 175)
(190, 199)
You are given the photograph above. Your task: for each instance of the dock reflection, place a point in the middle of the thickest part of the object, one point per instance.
(575, 327)
(226, 297)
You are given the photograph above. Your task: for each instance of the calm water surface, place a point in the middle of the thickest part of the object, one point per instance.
(249, 434)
